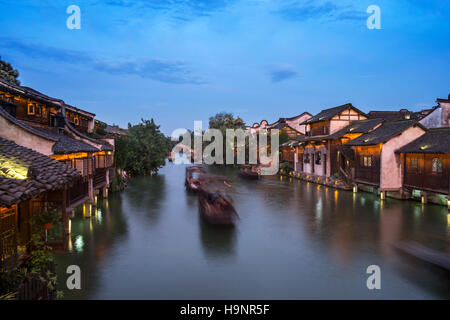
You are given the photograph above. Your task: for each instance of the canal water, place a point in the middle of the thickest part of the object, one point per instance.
(294, 240)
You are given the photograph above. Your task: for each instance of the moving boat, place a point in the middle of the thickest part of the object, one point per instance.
(215, 207)
(194, 177)
(249, 172)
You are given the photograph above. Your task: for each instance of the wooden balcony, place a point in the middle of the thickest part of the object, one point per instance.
(99, 178)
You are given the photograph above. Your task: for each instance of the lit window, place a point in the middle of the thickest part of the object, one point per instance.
(413, 163)
(436, 165)
(31, 108)
(367, 161)
(77, 121)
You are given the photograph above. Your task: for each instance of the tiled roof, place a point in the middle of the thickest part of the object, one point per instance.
(347, 152)
(358, 126)
(327, 114)
(25, 174)
(66, 144)
(25, 126)
(436, 140)
(443, 100)
(396, 115)
(29, 93)
(105, 146)
(383, 133)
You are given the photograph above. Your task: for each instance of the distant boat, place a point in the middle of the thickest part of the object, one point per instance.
(249, 172)
(194, 177)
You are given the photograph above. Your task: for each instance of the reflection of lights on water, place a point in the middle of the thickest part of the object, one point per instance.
(363, 201)
(99, 216)
(79, 243)
(336, 195)
(319, 211)
(70, 226)
(69, 245)
(448, 220)
(417, 211)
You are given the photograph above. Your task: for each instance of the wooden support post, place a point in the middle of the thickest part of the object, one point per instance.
(105, 192)
(295, 160)
(424, 197)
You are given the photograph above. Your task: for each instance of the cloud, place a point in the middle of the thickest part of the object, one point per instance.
(160, 70)
(313, 9)
(280, 73)
(168, 71)
(173, 8)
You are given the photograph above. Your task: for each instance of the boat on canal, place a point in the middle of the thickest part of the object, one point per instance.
(194, 177)
(249, 172)
(214, 204)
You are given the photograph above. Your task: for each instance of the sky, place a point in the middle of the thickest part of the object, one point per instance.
(177, 61)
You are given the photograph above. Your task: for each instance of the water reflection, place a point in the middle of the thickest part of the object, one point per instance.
(293, 240)
(217, 242)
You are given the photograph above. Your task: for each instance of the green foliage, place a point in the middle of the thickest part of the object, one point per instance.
(224, 120)
(286, 167)
(100, 129)
(49, 216)
(335, 175)
(117, 184)
(36, 266)
(8, 73)
(144, 150)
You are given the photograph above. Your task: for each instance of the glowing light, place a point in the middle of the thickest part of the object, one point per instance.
(70, 226)
(79, 243)
(355, 189)
(14, 171)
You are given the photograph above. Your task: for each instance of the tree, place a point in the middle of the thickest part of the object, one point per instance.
(224, 120)
(8, 73)
(144, 150)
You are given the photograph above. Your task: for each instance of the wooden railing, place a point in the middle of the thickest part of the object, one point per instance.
(99, 177)
(77, 192)
(8, 237)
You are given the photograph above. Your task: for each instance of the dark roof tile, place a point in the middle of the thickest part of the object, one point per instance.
(383, 133)
(436, 140)
(25, 173)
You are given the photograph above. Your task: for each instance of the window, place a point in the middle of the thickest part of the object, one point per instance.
(77, 121)
(38, 109)
(436, 165)
(306, 160)
(366, 161)
(413, 164)
(31, 108)
(318, 157)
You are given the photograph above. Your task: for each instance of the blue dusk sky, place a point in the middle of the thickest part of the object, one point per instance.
(183, 60)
